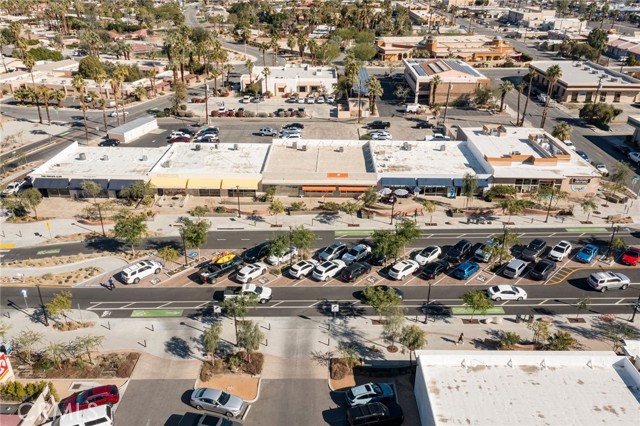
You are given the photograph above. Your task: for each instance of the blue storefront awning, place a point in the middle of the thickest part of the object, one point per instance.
(77, 183)
(120, 184)
(434, 182)
(390, 181)
(51, 183)
(482, 183)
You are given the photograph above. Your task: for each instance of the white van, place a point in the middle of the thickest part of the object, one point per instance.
(96, 416)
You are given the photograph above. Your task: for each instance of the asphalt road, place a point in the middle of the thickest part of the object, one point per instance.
(237, 236)
(155, 402)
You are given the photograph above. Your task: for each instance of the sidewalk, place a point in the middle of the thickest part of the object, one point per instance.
(37, 233)
(292, 344)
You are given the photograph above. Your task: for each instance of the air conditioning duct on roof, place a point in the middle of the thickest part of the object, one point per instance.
(82, 156)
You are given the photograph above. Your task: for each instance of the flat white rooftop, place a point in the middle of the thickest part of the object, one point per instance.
(318, 162)
(526, 388)
(584, 73)
(212, 160)
(424, 158)
(302, 71)
(101, 162)
(515, 142)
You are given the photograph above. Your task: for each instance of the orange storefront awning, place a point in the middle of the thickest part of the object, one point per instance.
(353, 188)
(319, 188)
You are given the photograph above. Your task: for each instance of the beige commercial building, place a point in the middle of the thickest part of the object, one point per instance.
(303, 79)
(583, 81)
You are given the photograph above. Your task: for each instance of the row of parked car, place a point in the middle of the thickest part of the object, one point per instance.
(204, 135)
(311, 99)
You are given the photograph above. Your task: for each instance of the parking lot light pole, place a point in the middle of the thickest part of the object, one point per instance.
(616, 228)
(636, 308)
(393, 206)
(426, 311)
(238, 195)
(44, 308)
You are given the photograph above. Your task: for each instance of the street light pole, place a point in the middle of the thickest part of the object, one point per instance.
(616, 228)
(549, 206)
(184, 246)
(44, 309)
(636, 308)
(238, 195)
(426, 312)
(393, 205)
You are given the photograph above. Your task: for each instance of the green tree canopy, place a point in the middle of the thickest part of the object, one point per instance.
(131, 228)
(90, 67)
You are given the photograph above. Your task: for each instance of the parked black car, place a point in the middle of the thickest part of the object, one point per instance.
(109, 142)
(375, 414)
(212, 271)
(377, 260)
(355, 270)
(542, 269)
(256, 252)
(187, 131)
(433, 269)
(379, 125)
(293, 125)
(534, 249)
(423, 125)
(459, 251)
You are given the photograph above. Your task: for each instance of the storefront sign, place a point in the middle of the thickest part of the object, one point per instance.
(6, 372)
(579, 181)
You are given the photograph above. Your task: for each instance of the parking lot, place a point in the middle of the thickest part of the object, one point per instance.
(278, 276)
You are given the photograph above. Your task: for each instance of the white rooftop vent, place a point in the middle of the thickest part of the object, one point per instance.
(443, 147)
(82, 156)
(144, 158)
(235, 147)
(197, 147)
(105, 158)
(294, 145)
(515, 152)
(406, 146)
(304, 147)
(341, 149)
(215, 146)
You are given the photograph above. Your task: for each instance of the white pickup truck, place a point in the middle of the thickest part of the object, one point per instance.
(263, 294)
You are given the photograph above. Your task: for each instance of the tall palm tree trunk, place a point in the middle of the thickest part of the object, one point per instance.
(526, 104)
(115, 98)
(518, 113)
(103, 101)
(46, 108)
(84, 117)
(124, 111)
(33, 82)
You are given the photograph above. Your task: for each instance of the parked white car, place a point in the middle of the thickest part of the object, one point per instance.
(560, 251)
(249, 272)
(290, 253)
(427, 254)
(120, 112)
(302, 268)
(506, 292)
(12, 189)
(327, 270)
(296, 136)
(134, 273)
(403, 269)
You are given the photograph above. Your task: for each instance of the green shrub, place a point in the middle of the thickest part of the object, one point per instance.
(221, 209)
(16, 391)
(298, 206)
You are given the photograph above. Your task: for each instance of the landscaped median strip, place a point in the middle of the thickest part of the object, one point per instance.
(586, 230)
(465, 310)
(154, 313)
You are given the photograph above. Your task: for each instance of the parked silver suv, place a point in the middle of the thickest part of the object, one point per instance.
(603, 281)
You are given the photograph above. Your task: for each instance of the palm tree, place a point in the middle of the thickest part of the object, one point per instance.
(562, 131)
(171, 43)
(587, 206)
(115, 88)
(249, 65)
(273, 44)
(58, 95)
(44, 92)
(100, 78)
(121, 72)
(79, 85)
(266, 72)
(29, 61)
(504, 88)
(375, 90)
(435, 82)
(228, 68)
(530, 77)
(151, 74)
(215, 73)
(351, 69)
(263, 48)
(301, 41)
(553, 75)
(520, 87)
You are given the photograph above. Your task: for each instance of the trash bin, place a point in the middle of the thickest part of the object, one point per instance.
(518, 319)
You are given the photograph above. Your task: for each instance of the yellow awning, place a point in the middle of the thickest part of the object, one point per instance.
(160, 182)
(204, 183)
(241, 183)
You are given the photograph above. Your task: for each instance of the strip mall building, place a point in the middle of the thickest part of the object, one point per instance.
(526, 158)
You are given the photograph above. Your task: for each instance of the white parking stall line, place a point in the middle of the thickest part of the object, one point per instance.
(221, 239)
(543, 302)
(441, 278)
(619, 301)
(164, 304)
(126, 306)
(245, 239)
(277, 304)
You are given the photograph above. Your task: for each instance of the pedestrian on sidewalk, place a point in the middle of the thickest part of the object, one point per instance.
(460, 339)
(111, 284)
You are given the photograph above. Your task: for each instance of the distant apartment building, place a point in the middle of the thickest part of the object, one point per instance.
(529, 16)
(303, 79)
(462, 78)
(470, 48)
(583, 81)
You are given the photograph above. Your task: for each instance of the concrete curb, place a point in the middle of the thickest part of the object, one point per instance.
(257, 394)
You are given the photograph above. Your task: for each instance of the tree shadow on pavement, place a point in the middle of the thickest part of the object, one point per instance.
(173, 420)
(178, 347)
(350, 336)
(335, 416)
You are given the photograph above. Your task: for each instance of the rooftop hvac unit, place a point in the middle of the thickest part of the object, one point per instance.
(515, 152)
(304, 147)
(144, 158)
(294, 145)
(443, 147)
(105, 158)
(198, 147)
(406, 146)
(82, 156)
(341, 149)
(235, 146)
(215, 146)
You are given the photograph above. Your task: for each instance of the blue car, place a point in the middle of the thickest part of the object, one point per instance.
(587, 253)
(465, 270)
(583, 155)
